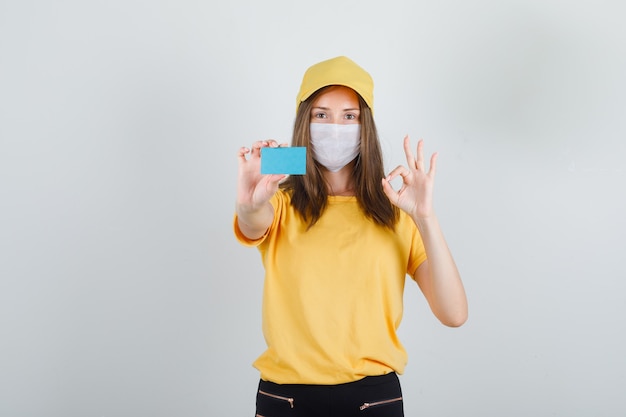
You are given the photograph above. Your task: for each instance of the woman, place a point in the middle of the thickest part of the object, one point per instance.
(337, 244)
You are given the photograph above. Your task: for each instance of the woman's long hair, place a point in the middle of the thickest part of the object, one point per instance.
(309, 193)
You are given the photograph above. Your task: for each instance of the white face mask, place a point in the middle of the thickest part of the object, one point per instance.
(334, 145)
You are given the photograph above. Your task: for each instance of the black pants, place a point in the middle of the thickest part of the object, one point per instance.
(373, 396)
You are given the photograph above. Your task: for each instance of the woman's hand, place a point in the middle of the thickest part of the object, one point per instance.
(416, 193)
(253, 188)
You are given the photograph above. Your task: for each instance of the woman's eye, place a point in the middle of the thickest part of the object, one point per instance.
(350, 116)
(320, 115)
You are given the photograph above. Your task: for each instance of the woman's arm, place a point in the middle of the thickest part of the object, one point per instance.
(437, 277)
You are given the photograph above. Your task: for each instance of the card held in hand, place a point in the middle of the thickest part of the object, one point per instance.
(283, 160)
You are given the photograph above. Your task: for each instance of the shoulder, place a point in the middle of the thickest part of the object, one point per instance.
(281, 198)
(405, 221)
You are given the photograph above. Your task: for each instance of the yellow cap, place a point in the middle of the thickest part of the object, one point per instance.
(337, 71)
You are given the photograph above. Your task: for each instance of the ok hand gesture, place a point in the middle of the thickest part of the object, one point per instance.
(416, 193)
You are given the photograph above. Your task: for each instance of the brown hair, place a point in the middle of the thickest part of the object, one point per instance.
(309, 193)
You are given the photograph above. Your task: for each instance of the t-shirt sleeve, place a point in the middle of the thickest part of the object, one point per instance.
(243, 239)
(418, 252)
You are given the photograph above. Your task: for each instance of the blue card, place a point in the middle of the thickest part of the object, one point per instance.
(287, 160)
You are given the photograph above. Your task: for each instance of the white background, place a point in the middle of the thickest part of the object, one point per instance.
(122, 289)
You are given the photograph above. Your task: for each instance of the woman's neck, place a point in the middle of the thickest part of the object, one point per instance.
(340, 183)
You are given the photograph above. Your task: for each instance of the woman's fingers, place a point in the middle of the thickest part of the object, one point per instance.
(243, 151)
(410, 159)
(399, 171)
(419, 163)
(391, 194)
(414, 161)
(256, 147)
(433, 164)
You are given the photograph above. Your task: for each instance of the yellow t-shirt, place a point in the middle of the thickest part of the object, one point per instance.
(332, 298)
